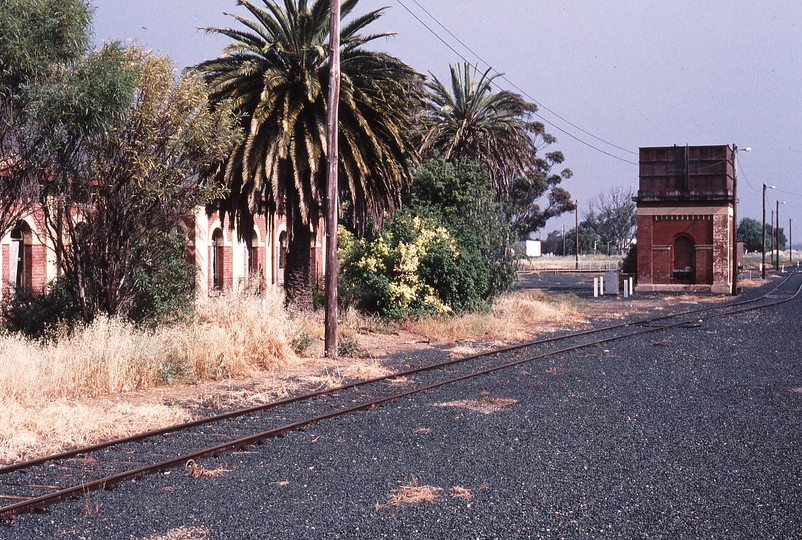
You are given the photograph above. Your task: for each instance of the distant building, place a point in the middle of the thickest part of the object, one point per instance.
(685, 205)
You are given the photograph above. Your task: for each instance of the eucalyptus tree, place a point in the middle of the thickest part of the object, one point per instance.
(127, 152)
(613, 216)
(275, 71)
(38, 36)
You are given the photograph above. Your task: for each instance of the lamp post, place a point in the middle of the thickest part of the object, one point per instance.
(777, 235)
(576, 231)
(790, 243)
(763, 251)
(735, 217)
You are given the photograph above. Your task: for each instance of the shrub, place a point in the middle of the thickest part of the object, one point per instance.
(164, 280)
(449, 250)
(38, 315)
(382, 274)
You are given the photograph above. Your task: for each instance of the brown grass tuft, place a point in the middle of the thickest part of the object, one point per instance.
(516, 316)
(51, 392)
(460, 493)
(484, 406)
(182, 533)
(414, 493)
(196, 471)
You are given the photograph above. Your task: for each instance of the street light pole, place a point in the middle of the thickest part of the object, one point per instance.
(790, 243)
(777, 236)
(735, 217)
(576, 233)
(763, 265)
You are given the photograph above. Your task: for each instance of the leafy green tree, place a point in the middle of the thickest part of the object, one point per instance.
(129, 151)
(525, 212)
(276, 73)
(460, 194)
(38, 36)
(750, 232)
(587, 240)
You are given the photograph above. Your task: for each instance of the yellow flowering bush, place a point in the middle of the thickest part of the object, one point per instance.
(383, 273)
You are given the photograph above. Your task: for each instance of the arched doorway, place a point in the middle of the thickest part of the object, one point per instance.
(684, 263)
(19, 260)
(282, 255)
(218, 260)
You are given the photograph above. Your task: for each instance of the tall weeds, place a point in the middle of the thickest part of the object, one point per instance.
(63, 381)
(231, 336)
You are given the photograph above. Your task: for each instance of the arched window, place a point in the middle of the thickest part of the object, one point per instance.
(684, 264)
(253, 264)
(19, 257)
(282, 250)
(218, 259)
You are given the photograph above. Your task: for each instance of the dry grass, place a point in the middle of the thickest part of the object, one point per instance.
(28, 431)
(112, 379)
(50, 392)
(196, 471)
(182, 533)
(484, 406)
(514, 317)
(460, 493)
(413, 493)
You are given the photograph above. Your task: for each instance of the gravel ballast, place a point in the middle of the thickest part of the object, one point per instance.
(688, 433)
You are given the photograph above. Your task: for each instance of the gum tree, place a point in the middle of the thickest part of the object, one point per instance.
(128, 151)
(38, 37)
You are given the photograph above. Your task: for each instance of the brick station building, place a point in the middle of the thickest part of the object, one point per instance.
(685, 207)
(223, 261)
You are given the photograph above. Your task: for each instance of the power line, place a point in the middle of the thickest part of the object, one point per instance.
(511, 83)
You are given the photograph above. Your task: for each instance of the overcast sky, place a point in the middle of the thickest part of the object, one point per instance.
(610, 76)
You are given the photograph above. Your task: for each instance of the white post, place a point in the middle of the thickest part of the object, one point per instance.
(631, 285)
(601, 284)
(626, 288)
(595, 287)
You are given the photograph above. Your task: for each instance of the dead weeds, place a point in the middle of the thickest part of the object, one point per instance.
(196, 471)
(35, 427)
(413, 493)
(484, 406)
(182, 533)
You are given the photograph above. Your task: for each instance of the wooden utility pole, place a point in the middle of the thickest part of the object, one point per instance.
(332, 203)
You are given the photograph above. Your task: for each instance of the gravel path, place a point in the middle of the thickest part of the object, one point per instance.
(685, 434)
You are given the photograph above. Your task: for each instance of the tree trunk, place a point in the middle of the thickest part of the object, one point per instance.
(297, 272)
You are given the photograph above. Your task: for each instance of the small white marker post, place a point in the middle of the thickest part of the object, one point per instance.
(595, 287)
(626, 288)
(631, 286)
(601, 285)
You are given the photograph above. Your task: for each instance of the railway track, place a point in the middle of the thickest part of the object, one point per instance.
(34, 485)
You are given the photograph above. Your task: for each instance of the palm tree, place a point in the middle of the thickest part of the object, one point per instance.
(474, 122)
(275, 72)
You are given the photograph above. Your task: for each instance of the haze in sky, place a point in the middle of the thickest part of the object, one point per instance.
(609, 76)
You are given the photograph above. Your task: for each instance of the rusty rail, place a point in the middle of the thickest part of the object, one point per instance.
(640, 327)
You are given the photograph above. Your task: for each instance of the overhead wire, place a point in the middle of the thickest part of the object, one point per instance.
(511, 83)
